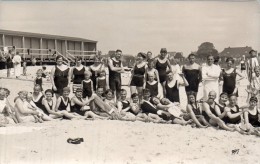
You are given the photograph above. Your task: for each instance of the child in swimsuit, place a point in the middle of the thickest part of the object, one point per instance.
(102, 81)
(87, 85)
(38, 79)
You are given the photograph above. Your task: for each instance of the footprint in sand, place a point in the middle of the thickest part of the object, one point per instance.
(157, 154)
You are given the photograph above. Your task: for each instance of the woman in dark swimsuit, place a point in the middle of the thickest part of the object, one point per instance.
(49, 105)
(37, 97)
(138, 75)
(95, 69)
(234, 114)
(60, 76)
(194, 110)
(171, 86)
(77, 74)
(192, 72)
(63, 105)
(161, 64)
(252, 115)
(229, 78)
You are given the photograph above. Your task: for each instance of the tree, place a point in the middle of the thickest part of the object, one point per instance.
(206, 49)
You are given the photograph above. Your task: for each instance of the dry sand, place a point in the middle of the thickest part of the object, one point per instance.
(108, 141)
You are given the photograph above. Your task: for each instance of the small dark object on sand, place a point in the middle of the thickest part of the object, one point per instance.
(75, 140)
(235, 151)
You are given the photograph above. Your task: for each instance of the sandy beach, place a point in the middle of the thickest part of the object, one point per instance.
(107, 141)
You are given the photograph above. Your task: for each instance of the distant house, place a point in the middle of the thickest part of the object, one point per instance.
(235, 52)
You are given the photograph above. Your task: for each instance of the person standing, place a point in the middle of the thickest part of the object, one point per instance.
(192, 73)
(149, 56)
(251, 64)
(138, 75)
(17, 64)
(77, 74)
(60, 76)
(210, 76)
(95, 69)
(115, 68)
(228, 76)
(161, 64)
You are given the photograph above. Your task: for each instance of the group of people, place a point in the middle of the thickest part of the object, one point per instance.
(97, 93)
(13, 60)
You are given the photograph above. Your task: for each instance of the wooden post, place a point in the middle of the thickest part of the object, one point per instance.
(23, 46)
(66, 48)
(41, 51)
(3, 38)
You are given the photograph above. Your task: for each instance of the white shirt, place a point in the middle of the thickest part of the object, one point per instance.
(210, 72)
(17, 59)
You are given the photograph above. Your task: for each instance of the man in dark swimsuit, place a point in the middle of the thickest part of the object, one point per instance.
(115, 67)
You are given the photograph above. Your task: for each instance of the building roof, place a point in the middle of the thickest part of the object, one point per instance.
(38, 35)
(236, 52)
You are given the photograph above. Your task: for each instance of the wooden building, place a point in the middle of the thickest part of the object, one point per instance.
(46, 47)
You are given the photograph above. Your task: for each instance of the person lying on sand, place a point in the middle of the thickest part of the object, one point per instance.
(80, 105)
(154, 115)
(5, 110)
(166, 105)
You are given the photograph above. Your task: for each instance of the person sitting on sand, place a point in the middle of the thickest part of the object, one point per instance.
(95, 108)
(37, 96)
(147, 107)
(209, 109)
(252, 117)
(128, 109)
(13, 111)
(168, 106)
(222, 103)
(154, 86)
(80, 105)
(110, 100)
(234, 113)
(31, 105)
(172, 84)
(5, 110)
(135, 108)
(63, 105)
(195, 112)
(25, 114)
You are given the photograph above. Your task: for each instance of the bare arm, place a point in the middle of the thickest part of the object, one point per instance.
(69, 78)
(111, 66)
(52, 78)
(220, 115)
(169, 65)
(157, 75)
(235, 115)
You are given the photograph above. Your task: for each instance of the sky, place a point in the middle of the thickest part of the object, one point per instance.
(140, 26)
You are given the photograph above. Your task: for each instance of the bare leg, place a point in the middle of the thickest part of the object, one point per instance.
(93, 115)
(140, 93)
(221, 124)
(180, 121)
(204, 121)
